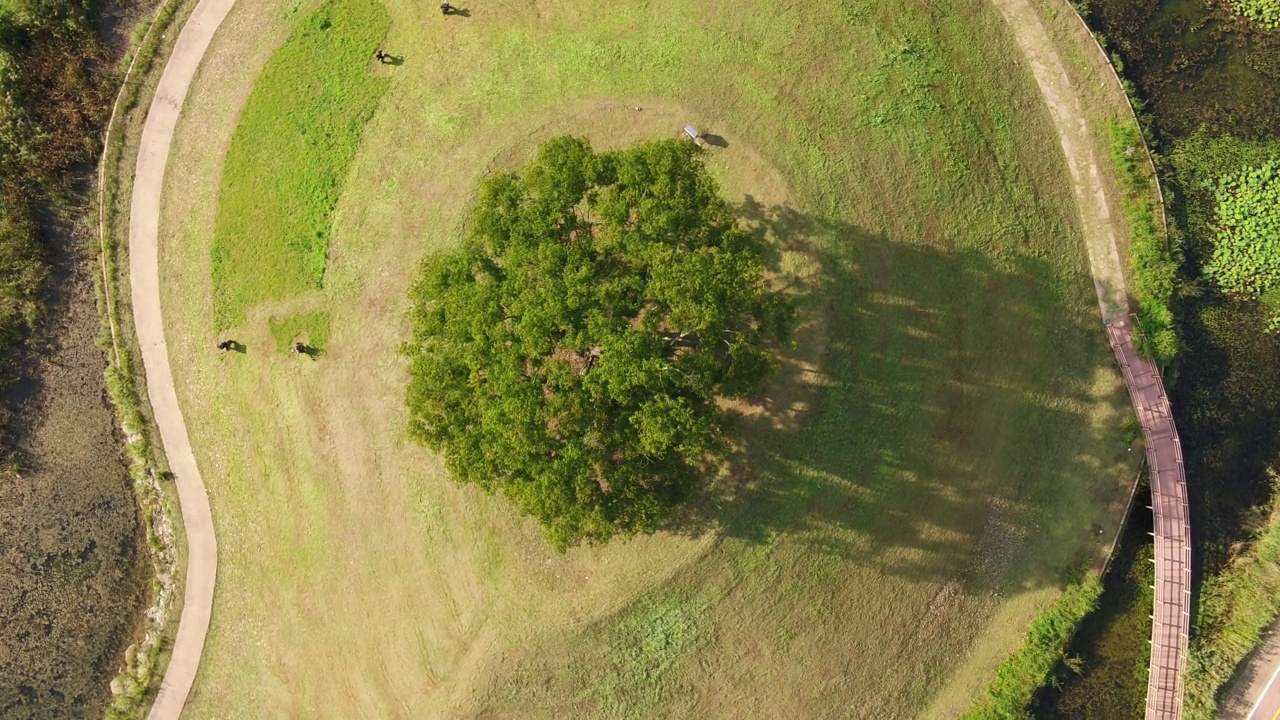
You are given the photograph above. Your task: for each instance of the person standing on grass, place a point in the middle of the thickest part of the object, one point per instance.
(226, 345)
(381, 56)
(446, 8)
(299, 348)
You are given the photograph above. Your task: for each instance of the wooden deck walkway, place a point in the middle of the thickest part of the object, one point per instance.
(1171, 615)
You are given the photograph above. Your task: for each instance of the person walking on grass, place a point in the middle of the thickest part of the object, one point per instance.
(381, 57)
(446, 8)
(299, 348)
(226, 345)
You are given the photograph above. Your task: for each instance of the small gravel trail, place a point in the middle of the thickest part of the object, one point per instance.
(1073, 132)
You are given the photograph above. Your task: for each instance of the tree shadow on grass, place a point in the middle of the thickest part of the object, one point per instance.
(923, 419)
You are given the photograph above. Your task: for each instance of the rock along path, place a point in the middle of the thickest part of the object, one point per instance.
(144, 279)
(1171, 613)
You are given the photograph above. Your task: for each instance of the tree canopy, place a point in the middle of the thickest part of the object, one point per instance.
(572, 352)
(1246, 254)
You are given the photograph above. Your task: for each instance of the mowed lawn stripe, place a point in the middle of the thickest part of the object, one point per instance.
(287, 159)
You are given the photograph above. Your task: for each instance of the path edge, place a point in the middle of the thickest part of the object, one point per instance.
(144, 281)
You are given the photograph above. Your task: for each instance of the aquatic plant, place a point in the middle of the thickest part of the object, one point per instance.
(1263, 12)
(1246, 253)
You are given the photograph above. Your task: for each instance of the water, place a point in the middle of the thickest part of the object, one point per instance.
(1195, 64)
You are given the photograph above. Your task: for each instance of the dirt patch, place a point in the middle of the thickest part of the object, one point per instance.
(71, 584)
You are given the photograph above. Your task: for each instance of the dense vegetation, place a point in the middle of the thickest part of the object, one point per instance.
(1195, 66)
(1263, 12)
(1246, 254)
(69, 591)
(1210, 87)
(51, 104)
(570, 355)
(295, 143)
(1026, 670)
(1235, 608)
(1116, 684)
(1153, 257)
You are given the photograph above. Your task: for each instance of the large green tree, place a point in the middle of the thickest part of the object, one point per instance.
(571, 354)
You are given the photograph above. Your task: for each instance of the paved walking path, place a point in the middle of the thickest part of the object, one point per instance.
(1171, 613)
(144, 278)
(1255, 695)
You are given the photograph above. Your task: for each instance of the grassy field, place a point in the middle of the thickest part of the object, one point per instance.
(943, 443)
(311, 328)
(297, 138)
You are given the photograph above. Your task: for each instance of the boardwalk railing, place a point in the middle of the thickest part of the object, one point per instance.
(1171, 614)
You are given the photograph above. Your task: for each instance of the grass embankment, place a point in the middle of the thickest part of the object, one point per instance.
(1153, 259)
(289, 156)
(1235, 607)
(939, 447)
(1025, 672)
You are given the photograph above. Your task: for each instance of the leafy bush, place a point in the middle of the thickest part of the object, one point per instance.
(571, 353)
(1246, 253)
(1155, 265)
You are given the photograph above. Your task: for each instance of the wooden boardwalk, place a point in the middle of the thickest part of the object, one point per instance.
(1171, 615)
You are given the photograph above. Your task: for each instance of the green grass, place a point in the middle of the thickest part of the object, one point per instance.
(1023, 673)
(645, 653)
(311, 328)
(284, 170)
(1236, 606)
(939, 447)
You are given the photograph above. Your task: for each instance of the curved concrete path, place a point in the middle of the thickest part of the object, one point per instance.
(144, 279)
(1171, 616)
